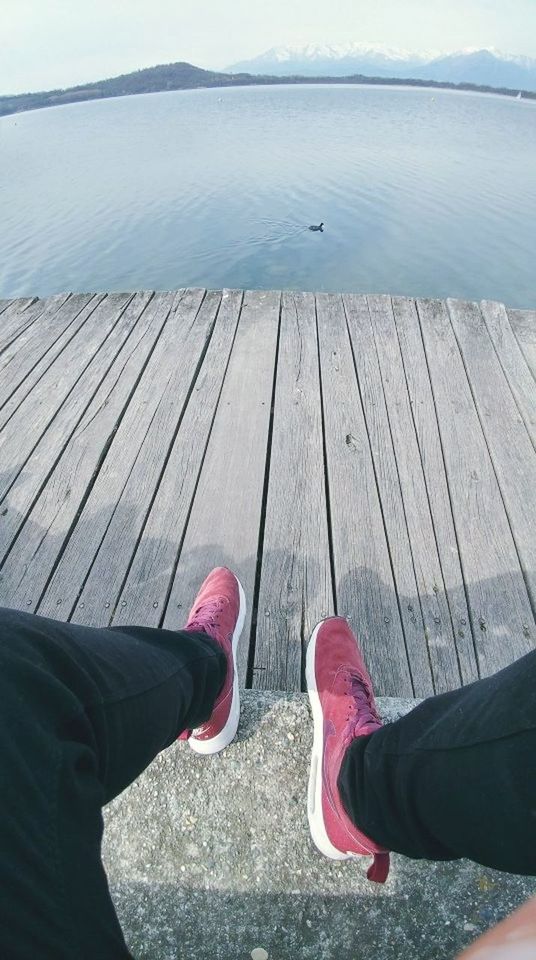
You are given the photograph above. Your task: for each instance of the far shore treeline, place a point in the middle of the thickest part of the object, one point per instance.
(184, 76)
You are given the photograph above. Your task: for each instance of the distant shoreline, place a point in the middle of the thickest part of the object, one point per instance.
(184, 76)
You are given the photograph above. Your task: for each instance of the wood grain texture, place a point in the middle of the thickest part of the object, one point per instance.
(523, 323)
(223, 527)
(104, 506)
(364, 583)
(48, 522)
(140, 447)
(14, 398)
(23, 425)
(498, 601)
(43, 341)
(142, 488)
(509, 444)
(295, 583)
(17, 316)
(144, 595)
(50, 446)
(513, 362)
(434, 608)
(433, 466)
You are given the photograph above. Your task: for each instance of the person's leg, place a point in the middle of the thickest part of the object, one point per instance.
(82, 713)
(455, 777)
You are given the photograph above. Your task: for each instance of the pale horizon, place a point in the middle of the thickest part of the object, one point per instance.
(59, 44)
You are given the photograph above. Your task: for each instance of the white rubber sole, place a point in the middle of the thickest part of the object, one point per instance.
(314, 795)
(228, 733)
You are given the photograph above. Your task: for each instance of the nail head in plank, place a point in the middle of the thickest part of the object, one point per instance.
(144, 594)
(498, 600)
(364, 582)
(223, 528)
(32, 558)
(433, 465)
(295, 582)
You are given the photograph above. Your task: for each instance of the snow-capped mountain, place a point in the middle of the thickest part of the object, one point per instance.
(485, 67)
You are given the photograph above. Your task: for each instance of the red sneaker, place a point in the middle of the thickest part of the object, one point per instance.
(342, 701)
(219, 610)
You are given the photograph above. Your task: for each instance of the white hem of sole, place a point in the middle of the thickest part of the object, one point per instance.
(228, 733)
(314, 794)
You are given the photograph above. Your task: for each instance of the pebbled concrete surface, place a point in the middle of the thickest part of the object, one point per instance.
(211, 859)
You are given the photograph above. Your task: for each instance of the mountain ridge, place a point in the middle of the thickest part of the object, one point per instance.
(485, 66)
(186, 76)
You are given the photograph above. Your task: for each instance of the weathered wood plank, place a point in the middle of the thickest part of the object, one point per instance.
(513, 362)
(388, 482)
(433, 466)
(43, 340)
(154, 389)
(42, 459)
(142, 486)
(438, 627)
(364, 586)
(23, 427)
(509, 444)
(144, 594)
(34, 553)
(10, 307)
(22, 313)
(223, 528)
(295, 584)
(498, 602)
(524, 326)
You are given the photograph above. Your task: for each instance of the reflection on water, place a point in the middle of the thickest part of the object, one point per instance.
(420, 194)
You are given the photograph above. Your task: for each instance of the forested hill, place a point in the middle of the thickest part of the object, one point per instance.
(184, 76)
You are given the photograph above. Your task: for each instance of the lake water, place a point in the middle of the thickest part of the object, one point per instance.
(428, 193)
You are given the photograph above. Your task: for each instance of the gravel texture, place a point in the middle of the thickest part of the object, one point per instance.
(211, 859)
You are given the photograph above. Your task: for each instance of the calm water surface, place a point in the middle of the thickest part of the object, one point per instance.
(428, 193)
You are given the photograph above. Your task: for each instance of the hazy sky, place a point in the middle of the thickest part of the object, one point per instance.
(53, 43)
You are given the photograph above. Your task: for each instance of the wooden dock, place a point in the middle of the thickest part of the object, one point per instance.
(365, 455)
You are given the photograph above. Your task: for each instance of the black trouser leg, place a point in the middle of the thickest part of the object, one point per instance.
(454, 778)
(82, 713)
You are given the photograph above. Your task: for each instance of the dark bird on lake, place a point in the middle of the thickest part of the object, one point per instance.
(319, 227)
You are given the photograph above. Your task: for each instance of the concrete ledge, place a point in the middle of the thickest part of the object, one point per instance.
(211, 858)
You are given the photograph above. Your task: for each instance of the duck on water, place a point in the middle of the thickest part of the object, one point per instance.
(320, 227)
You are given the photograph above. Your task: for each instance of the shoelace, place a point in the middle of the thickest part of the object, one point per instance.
(206, 617)
(362, 709)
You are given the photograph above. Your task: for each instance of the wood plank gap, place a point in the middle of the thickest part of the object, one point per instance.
(22, 363)
(59, 506)
(223, 526)
(172, 442)
(41, 422)
(326, 475)
(366, 590)
(82, 552)
(13, 321)
(513, 363)
(295, 584)
(520, 520)
(395, 573)
(148, 582)
(440, 683)
(264, 500)
(31, 497)
(428, 498)
(523, 323)
(496, 590)
(430, 445)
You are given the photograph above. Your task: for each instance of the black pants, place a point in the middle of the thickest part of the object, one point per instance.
(84, 711)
